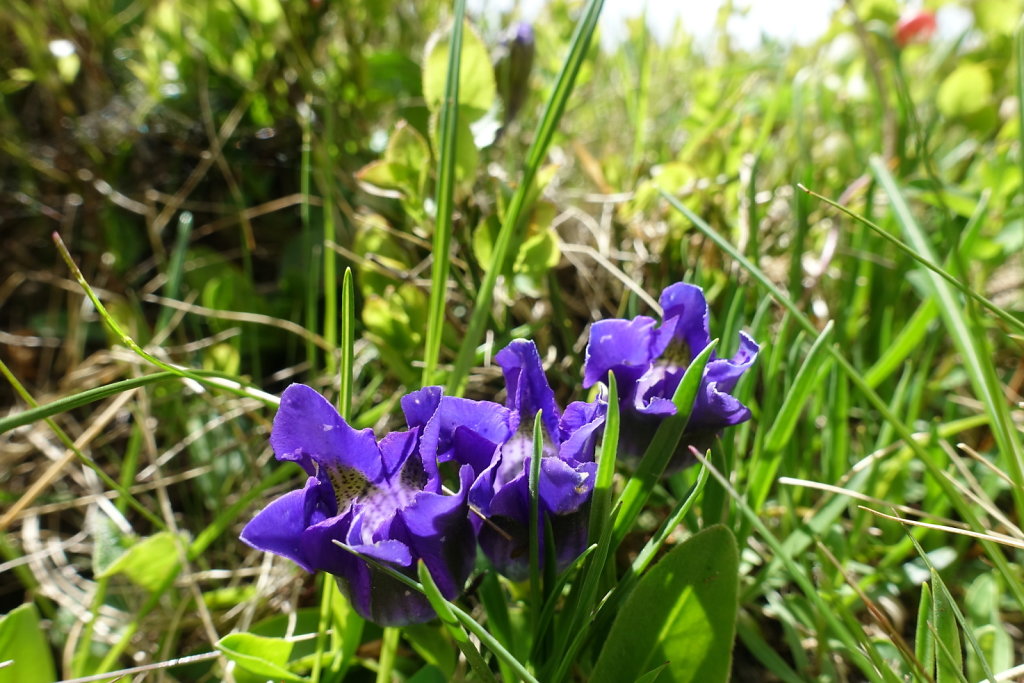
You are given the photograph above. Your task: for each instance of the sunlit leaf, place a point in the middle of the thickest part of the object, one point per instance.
(682, 612)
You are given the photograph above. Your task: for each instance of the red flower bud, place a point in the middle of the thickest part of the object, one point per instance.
(915, 27)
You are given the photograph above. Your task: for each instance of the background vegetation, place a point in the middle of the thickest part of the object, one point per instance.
(215, 166)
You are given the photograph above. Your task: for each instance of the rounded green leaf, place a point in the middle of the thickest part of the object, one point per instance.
(966, 91)
(682, 614)
(476, 75)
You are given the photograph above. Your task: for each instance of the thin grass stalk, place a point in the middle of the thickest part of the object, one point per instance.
(578, 48)
(867, 391)
(444, 198)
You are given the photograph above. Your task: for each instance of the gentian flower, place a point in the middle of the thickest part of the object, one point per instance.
(383, 500)
(497, 443)
(649, 361)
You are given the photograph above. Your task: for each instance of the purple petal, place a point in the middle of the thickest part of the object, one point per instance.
(685, 317)
(307, 429)
(727, 372)
(488, 420)
(278, 528)
(528, 388)
(420, 406)
(563, 489)
(581, 424)
(625, 347)
(403, 464)
(437, 529)
(469, 448)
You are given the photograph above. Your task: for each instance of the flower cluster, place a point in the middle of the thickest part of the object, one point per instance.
(649, 360)
(385, 500)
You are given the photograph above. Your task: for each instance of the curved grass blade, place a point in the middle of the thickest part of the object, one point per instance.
(928, 261)
(664, 444)
(440, 605)
(66, 403)
(901, 429)
(444, 198)
(602, 496)
(534, 487)
(971, 346)
(578, 48)
(465, 619)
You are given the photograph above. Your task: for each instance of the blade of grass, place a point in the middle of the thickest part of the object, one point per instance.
(578, 47)
(388, 651)
(536, 599)
(175, 267)
(447, 617)
(465, 619)
(973, 348)
(444, 199)
(348, 337)
(921, 252)
(601, 499)
(901, 429)
(66, 403)
(663, 446)
(198, 377)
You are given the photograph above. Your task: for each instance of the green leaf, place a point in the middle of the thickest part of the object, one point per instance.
(639, 487)
(263, 11)
(807, 379)
(403, 170)
(949, 654)
(924, 640)
(259, 655)
(476, 75)
(23, 641)
(966, 91)
(148, 562)
(682, 612)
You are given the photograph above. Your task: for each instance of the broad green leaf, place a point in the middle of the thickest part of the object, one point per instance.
(682, 614)
(966, 91)
(148, 562)
(259, 655)
(23, 641)
(403, 169)
(109, 542)
(476, 75)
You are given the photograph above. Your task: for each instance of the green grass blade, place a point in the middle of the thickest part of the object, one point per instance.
(662, 447)
(924, 639)
(348, 339)
(578, 48)
(971, 346)
(444, 198)
(66, 403)
(175, 266)
(448, 618)
(920, 251)
(601, 499)
(534, 487)
(904, 432)
(807, 378)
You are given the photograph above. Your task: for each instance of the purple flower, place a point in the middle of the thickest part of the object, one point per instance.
(649, 361)
(497, 443)
(383, 500)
